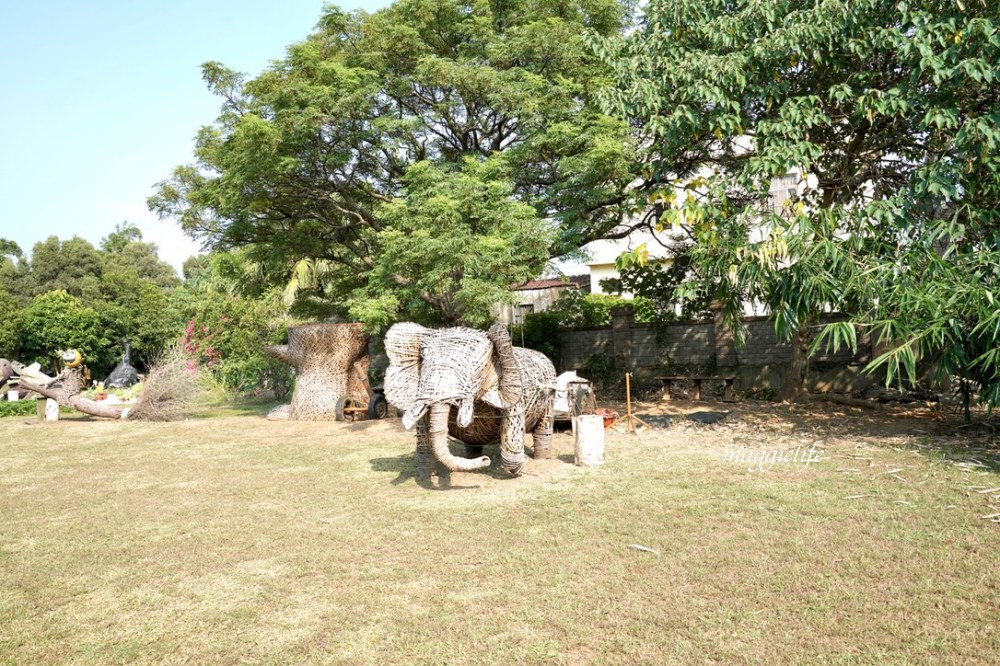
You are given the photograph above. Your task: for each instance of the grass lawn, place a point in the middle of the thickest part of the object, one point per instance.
(232, 539)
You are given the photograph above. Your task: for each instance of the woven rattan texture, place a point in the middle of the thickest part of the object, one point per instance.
(332, 361)
(500, 391)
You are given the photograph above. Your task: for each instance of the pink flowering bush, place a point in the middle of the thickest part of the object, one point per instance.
(227, 334)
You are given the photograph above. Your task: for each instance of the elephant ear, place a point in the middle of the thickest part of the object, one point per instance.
(503, 383)
(402, 377)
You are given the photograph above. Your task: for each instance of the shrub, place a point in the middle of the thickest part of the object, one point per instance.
(227, 334)
(17, 408)
(542, 331)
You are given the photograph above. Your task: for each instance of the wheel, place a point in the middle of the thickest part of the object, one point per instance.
(342, 410)
(378, 408)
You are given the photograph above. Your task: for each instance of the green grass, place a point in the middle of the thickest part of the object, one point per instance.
(232, 539)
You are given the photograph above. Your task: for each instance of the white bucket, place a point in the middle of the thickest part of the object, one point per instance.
(589, 431)
(12, 395)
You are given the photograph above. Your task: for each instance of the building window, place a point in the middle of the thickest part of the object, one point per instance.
(521, 311)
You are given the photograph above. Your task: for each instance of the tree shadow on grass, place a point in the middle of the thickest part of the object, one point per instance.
(937, 433)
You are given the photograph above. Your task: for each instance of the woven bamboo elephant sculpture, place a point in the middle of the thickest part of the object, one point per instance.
(499, 392)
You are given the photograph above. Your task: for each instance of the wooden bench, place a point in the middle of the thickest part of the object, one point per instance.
(728, 394)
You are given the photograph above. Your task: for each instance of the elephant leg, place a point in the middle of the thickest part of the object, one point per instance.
(542, 437)
(425, 457)
(512, 440)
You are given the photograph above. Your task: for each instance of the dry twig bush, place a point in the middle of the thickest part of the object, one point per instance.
(175, 389)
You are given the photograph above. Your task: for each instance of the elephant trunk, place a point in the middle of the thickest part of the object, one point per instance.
(439, 443)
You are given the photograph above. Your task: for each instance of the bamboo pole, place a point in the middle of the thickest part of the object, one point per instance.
(629, 419)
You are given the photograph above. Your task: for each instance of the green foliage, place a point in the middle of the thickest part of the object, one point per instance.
(142, 259)
(195, 267)
(887, 117)
(57, 320)
(541, 331)
(414, 162)
(577, 309)
(14, 271)
(574, 309)
(600, 369)
(72, 265)
(463, 237)
(657, 286)
(227, 332)
(17, 408)
(9, 248)
(10, 325)
(125, 284)
(124, 234)
(134, 309)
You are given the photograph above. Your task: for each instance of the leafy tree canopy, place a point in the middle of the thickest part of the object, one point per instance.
(10, 325)
(135, 309)
(72, 265)
(142, 258)
(9, 248)
(889, 114)
(124, 285)
(124, 233)
(228, 331)
(58, 320)
(327, 164)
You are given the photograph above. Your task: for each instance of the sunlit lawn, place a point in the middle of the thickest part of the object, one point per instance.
(232, 539)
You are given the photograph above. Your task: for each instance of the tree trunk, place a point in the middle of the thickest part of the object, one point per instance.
(793, 387)
(77, 402)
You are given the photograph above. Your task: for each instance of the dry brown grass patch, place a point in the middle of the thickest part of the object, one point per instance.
(234, 539)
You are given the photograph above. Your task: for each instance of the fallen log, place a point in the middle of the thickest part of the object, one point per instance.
(77, 402)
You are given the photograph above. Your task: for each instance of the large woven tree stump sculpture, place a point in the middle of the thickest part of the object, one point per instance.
(332, 362)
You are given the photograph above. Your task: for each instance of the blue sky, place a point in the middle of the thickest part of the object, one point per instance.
(100, 100)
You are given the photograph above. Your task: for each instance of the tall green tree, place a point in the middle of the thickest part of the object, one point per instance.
(888, 113)
(124, 234)
(137, 310)
(58, 320)
(318, 164)
(14, 274)
(124, 284)
(228, 331)
(10, 325)
(72, 265)
(123, 250)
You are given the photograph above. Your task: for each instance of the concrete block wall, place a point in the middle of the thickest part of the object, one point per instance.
(576, 346)
(648, 350)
